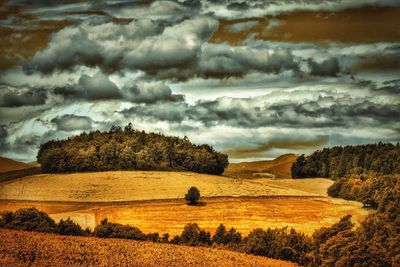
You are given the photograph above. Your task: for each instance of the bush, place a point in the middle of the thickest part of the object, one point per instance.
(192, 235)
(224, 237)
(69, 227)
(193, 195)
(29, 219)
(115, 230)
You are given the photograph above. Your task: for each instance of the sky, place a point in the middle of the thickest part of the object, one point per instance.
(254, 79)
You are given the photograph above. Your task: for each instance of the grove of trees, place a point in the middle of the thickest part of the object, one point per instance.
(337, 161)
(369, 174)
(128, 149)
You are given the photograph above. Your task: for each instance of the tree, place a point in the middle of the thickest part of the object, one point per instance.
(69, 227)
(220, 235)
(193, 195)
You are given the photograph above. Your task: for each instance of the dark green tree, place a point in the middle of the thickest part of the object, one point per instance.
(193, 195)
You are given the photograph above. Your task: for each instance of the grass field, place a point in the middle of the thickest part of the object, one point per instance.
(19, 248)
(137, 185)
(170, 216)
(153, 201)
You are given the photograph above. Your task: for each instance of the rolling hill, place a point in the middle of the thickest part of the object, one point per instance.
(119, 186)
(276, 168)
(7, 165)
(18, 248)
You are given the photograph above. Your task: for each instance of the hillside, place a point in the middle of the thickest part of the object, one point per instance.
(7, 165)
(135, 185)
(19, 248)
(277, 168)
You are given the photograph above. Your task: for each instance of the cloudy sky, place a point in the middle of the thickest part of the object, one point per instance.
(255, 79)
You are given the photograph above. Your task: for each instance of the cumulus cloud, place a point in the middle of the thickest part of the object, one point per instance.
(322, 112)
(71, 122)
(140, 45)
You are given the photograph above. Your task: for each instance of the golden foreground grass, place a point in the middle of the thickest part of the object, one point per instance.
(137, 185)
(278, 168)
(18, 248)
(305, 214)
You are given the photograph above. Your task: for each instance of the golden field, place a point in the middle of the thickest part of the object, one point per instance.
(19, 248)
(153, 201)
(136, 185)
(245, 213)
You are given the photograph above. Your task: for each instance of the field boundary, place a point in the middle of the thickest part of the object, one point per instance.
(11, 175)
(179, 201)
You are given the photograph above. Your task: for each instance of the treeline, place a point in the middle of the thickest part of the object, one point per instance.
(375, 243)
(369, 174)
(128, 149)
(337, 161)
(275, 243)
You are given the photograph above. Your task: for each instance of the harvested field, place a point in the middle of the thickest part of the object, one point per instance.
(136, 185)
(170, 216)
(19, 248)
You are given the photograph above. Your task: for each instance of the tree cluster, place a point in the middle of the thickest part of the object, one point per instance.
(128, 149)
(278, 243)
(337, 161)
(31, 219)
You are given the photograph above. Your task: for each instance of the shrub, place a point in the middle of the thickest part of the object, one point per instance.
(192, 235)
(29, 219)
(224, 237)
(116, 230)
(193, 195)
(69, 227)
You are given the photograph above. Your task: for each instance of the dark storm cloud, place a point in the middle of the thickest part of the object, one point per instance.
(71, 122)
(329, 67)
(15, 97)
(248, 113)
(391, 87)
(224, 61)
(150, 92)
(98, 87)
(3, 135)
(238, 6)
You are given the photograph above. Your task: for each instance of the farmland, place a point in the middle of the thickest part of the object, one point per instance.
(137, 185)
(19, 248)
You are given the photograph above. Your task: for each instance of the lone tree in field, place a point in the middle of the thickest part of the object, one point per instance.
(193, 195)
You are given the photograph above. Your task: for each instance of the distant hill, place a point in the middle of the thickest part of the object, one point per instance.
(41, 249)
(276, 168)
(7, 165)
